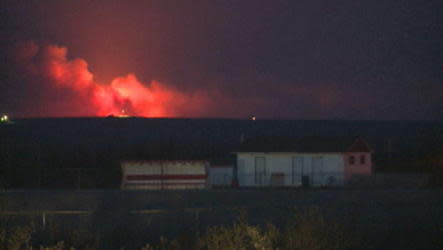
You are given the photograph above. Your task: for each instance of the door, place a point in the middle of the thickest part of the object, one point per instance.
(260, 171)
(317, 170)
(297, 170)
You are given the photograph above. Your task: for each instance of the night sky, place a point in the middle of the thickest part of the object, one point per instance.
(342, 59)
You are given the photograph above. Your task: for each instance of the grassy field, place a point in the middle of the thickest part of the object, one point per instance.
(382, 218)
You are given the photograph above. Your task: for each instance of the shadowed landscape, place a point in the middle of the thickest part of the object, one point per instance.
(77, 153)
(379, 219)
(54, 172)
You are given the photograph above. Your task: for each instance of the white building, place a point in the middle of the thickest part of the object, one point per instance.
(307, 161)
(159, 175)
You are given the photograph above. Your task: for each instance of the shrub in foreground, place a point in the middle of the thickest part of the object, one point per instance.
(306, 230)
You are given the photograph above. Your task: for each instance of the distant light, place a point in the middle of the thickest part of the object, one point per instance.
(123, 114)
(253, 118)
(4, 118)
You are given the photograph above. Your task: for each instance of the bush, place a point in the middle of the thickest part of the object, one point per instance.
(16, 238)
(58, 246)
(240, 236)
(307, 230)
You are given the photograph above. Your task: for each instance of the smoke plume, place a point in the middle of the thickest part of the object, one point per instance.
(83, 95)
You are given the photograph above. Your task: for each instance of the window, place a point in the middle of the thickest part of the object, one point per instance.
(351, 160)
(362, 159)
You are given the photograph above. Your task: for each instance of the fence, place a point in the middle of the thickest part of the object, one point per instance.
(322, 179)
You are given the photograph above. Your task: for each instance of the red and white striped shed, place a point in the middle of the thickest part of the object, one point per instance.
(167, 174)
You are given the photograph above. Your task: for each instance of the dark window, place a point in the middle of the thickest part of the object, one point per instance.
(362, 159)
(351, 160)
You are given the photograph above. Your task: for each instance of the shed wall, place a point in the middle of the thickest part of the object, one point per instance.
(358, 168)
(156, 175)
(287, 169)
(220, 176)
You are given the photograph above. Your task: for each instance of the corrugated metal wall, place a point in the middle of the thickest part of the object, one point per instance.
(289, 169)
(159, 175)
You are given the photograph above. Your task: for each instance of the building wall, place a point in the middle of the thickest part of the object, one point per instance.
(220, 176)
(357, 168)
(157, 175)
(287, 169)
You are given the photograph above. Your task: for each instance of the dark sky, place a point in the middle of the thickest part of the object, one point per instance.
(341, 59)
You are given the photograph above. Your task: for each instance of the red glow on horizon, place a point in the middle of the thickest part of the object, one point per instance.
(127, 96)
(123, 96)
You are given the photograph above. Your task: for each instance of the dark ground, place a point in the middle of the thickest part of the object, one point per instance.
(384, 218)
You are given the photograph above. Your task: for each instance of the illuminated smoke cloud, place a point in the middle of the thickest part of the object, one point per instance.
(59, 86)
(125, 95)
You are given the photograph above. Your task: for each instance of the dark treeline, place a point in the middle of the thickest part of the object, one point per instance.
(86, 152)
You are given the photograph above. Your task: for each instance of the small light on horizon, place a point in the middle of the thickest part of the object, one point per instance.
(4, 118)
(123, 114)
(253, 118)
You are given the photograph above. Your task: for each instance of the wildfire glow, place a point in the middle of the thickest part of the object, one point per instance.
(123, 96)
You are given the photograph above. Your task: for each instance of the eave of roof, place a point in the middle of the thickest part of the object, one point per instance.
(304, 145)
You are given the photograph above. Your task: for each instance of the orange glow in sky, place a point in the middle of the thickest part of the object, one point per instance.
(124, 95)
